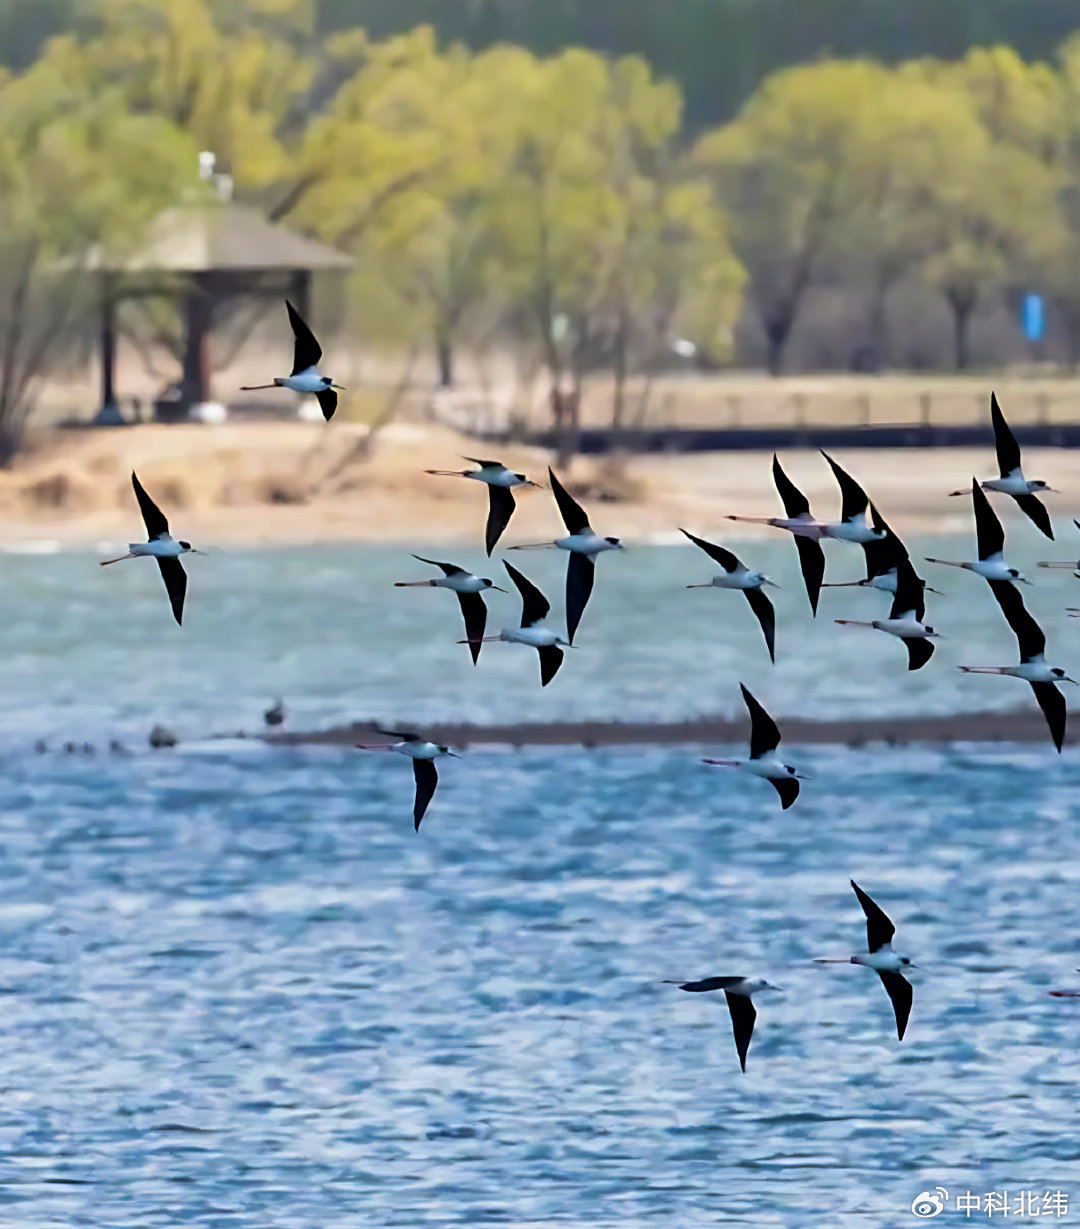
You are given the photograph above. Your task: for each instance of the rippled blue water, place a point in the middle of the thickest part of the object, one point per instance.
(239, 991)
(88, 650)
(236, 989)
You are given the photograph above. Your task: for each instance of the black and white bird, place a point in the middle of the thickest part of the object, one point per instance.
(883, 554)
(1032, 669)
(305, 376)
(1073, 567)
(534, 610)
(499, 481)
(423, 755)
(853, 525)
(882, 959)
(738, 992)
(990, 540)
(905, 619)
(807, 531)
(468, 589)
(583, 544)
(737, 576)
(1011, 480)
(162, 547)
(763, 761)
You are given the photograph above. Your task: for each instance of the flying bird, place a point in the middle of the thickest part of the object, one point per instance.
(990, 540)
(738, 992)
(583, 544)
(162, 547)
(905, 619)
(1073, 567)
(423, 755)
(304, 377)
(468, 589)
(883, 554)
(853, 525)
(499, 481)
(534, 610)
(737, 576)
(1032, 668)
(763, 761)
(1011, 480)
(798, 522)
(882, 959)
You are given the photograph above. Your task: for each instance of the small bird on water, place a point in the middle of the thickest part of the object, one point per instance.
(275, 714)
(305, 376)
(162, 547)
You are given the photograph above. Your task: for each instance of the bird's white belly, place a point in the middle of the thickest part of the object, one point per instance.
(768, 766)
(418, 751)
(461, 584)
(584, 544)
(496, 477)
(992, 569)
(1014, 484)
(1033, 672)
(883, 960)
(161, 548)
(905, 629)
(738, 580)
(886, 582)
(305, 381)
(853, 531)
(535, 637)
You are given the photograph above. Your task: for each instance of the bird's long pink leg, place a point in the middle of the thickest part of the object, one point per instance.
(254, 388)
(447, 473)
(723, 763)
(374, 746)
(852, 623)
(414, 584)
(105, 562)
(982, 669)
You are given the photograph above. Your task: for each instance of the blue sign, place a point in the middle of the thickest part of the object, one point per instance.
(1033, 317)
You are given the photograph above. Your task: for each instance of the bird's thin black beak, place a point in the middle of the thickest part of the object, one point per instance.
(498, 590)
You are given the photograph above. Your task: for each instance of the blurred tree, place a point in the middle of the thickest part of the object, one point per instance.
(78, 171)
(786, 171)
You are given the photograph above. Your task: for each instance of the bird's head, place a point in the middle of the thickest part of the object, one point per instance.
(761, 984)
(447, 751)
(929, 630)
(907, 963)
(490, 584)
(1060, 674)
(615, 543)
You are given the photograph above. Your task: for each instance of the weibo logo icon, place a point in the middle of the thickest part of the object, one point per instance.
(929, 1203)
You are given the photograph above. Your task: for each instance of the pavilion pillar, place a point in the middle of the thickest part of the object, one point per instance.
(109, 409)
(300, 293)
(198, 314)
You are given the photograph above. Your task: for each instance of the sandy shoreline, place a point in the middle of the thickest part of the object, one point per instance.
(1022, 726)
(289, 483)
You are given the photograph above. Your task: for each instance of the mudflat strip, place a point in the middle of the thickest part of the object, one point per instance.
(1016, 727)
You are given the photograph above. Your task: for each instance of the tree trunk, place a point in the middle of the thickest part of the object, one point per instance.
(618, 404)
(778, 326)
(444, 356)
(962, 305)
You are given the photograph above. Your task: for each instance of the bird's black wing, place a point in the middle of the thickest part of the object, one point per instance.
(1028, 633)
(156, 524)
(879, 930)
(1008, 450)
(882, 554)
(175, 578)
(327, 399)
(723, 557)
(534, 606)
(794, 501)
(448, 569)
(853, 499)
(475, 615)
(711, 983)
(1035, 512)
(787, 788)
(1052, 703)
(551, 657)
(570, 510)
(766, 616)
(764, 734)
(307, 350)
(427, 777)
(909, 592)
(988, 531)
(743, 1016)
(500, 509)
(406, 736)
(899, 991)
(812, 564)
(580, 574)
(484, 464)
(919, 652)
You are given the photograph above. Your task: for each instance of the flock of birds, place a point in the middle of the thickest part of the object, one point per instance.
(888, 568)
